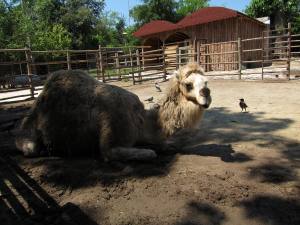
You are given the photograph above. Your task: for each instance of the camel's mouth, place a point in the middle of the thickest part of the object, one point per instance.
(204, 102)
(205, 106)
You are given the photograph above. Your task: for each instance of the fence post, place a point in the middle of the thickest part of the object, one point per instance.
(29, 71)
(240, 57)
(177, 58)
(117, 61)
(164, 62)
(262, 54)
(143, 58)
(194, 50)
(198, 52)
(69, 60)
(289, 52)
(87, 61)
(101, 64)
(131, 66)
(138, 63)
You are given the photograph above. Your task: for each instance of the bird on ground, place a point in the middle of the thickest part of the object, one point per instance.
(149, 99)
(157, 87)
(243, 104)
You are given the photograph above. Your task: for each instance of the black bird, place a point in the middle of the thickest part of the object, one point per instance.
(149, 99)
(157, 87)
(243, 104)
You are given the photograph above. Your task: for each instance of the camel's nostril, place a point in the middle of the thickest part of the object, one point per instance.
(205, 92)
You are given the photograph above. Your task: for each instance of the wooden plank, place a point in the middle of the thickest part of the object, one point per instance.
(29, 71)
(13, 50)
(289, 51)
(69, 60)
(240, 57)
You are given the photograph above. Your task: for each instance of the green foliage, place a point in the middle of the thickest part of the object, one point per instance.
(55, 38)
(4, 25)
(296, 25)
(80, 17)
(154, 10)
(80, 24)
(56, 24)
(110, 29)
(130, 39)
(279, 10)
(186, 7)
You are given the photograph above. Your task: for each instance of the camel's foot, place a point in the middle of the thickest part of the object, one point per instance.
(27, 146)
(127, 154)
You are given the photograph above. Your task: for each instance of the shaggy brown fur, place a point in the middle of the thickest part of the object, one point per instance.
(77, 115)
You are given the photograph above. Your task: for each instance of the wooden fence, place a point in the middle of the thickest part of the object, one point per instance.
(24, 69)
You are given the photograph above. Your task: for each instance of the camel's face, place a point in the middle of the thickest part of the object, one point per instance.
(194, 87)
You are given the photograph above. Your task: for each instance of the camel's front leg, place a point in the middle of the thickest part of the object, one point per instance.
(178, 142)
(128, 153)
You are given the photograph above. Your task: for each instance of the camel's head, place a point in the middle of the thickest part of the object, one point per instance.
(193, 84)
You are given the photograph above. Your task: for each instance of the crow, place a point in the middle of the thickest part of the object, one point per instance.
(243, 105)
(157, 87)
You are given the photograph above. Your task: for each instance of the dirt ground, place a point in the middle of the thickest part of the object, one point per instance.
(238, 168)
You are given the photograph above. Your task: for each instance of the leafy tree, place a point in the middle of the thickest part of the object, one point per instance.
(186, 7)
(280, 11)
(4, 24)
(80, 17)
(130, 39)
(154, 10)
(56, 37)
(109, 30)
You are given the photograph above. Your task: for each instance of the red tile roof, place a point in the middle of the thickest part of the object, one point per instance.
(153, 27)
(202, 16)
(206, 15)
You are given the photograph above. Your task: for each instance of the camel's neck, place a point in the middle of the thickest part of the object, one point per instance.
(177, 113)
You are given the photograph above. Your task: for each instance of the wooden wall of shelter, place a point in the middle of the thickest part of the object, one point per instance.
(210, 37)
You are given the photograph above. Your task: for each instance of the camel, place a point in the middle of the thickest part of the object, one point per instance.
(76, 115)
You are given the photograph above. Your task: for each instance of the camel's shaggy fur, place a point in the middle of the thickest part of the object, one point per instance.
(77, 115)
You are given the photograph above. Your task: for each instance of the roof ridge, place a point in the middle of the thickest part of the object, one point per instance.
(211, 14)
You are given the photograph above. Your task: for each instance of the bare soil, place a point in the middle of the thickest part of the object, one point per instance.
(238, 168)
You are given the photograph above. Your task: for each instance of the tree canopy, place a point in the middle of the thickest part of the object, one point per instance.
(154, 10)
(186, 7)
(80, 24)
(170, 10)
(56, 24)
(280, 11)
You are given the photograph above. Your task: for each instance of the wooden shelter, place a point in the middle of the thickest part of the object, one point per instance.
(210, 31)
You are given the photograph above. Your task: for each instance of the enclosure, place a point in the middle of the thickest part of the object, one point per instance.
(237, 168)
(206, 26)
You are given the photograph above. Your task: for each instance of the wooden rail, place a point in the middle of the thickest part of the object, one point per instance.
(139, 62)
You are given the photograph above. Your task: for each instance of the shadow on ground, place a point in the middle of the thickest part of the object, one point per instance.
(273, 173)
(220, 126)
(273, 210)
(224, 126)
(202, 213)
(65, 172)
(24, 201)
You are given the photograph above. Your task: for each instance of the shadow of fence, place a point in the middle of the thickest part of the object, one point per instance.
(24, 201)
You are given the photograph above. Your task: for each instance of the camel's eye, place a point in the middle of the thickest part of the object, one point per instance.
(189, 86)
